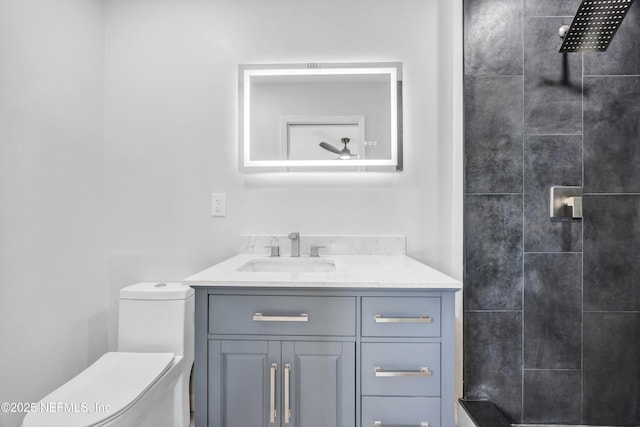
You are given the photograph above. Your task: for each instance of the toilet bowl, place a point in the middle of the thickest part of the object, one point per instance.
(146, 382)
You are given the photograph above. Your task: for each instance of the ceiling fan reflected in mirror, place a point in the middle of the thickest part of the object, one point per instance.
(344, 154)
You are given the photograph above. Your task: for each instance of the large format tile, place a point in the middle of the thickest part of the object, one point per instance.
(611, 369)
(611, 252)
(552, 397)
(552, 81)
(493, 45)
(611, 134)
(552, 311)
(493, 134)
(566, 8)
(623, 55)
(492, 359)
(548, 161)
(493, 252)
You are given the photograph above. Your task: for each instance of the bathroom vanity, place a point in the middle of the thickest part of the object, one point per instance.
(339, 340)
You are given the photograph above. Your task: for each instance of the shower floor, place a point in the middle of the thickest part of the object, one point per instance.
(486, 414)
(555, 425)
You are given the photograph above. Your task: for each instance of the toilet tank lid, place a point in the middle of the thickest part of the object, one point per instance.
(156, 291)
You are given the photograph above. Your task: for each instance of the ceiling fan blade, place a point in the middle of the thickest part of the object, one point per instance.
(330, 147)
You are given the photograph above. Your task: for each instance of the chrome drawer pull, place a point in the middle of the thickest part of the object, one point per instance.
(272, 393)
(259, 317)
(287, 403)
(423, 372)
(421, 319)
(379, 424)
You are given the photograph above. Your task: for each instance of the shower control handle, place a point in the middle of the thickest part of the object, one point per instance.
(575, 203)
(565, 203)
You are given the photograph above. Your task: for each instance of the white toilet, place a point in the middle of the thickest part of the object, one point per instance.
(146, 382)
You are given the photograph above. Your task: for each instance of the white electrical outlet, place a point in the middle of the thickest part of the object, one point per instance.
(218, 204)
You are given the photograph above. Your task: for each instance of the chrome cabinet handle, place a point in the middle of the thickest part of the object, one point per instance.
(272, 394)
(379, 424)
(422, 319)
(259, 317)
(287, 403)
(423, 372)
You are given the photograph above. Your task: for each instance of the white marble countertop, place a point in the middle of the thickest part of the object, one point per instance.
(351, 271)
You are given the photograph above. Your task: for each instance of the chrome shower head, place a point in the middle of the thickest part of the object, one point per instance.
(594, 25)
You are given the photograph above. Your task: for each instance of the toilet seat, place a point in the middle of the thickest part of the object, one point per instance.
(117, 379)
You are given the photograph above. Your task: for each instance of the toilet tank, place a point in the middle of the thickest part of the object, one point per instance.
(156, 317)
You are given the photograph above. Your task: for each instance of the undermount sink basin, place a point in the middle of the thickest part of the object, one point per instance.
(303, 265)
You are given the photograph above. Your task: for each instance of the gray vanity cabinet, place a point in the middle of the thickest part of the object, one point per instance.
(281, 360)
(290, 357)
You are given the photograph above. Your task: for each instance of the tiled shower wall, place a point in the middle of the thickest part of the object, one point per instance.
(552, 309)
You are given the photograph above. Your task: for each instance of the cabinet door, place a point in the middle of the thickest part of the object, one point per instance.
(321, 384)
(240, 380)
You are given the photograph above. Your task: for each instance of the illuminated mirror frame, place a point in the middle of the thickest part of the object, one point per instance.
(392, 69)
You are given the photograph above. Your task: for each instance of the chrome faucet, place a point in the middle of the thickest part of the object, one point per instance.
(295, 244)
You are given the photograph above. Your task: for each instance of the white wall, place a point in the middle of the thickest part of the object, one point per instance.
(53, 294)
(162, 74)
(168, 69)
(171, 130)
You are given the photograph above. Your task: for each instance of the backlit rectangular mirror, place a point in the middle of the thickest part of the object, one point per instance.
(345, 117)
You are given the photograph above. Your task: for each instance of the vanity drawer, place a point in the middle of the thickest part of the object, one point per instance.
(282, 315)
(400, 317)
(400, 411)
(401, 369)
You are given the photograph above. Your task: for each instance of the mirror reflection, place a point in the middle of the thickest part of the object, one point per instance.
(320, 116)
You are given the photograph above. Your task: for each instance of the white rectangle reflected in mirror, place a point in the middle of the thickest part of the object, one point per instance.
(321, 117)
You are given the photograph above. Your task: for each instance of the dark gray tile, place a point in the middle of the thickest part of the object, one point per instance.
(611, 134)
(553, 311)
(548, 161)
(611, 369)
(493, 134)
(493, 359)
(552, 397)
(551, 8)
(493, 252)
(623, 54)
(492, 43)
(611, 252)
(552, 81)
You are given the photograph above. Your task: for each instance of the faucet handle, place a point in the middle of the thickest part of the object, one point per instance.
(275, 251)
(314, 251)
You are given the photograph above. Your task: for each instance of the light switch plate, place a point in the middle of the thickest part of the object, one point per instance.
(218, 204)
